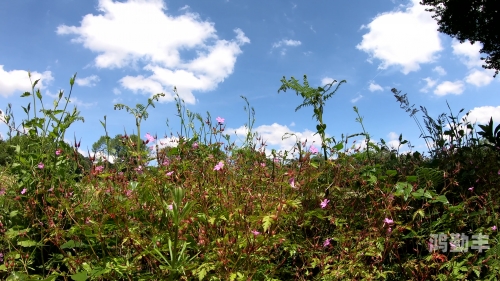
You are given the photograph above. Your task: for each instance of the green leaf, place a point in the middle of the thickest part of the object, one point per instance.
(27, 243)
(80, 276)
(267, 221)
(71, 244)
(25, 94)
(391, 173)
(13, 213)
(441, 199)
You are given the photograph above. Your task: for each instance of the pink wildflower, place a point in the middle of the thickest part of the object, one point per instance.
(291, 181)
(195, 145)
(327, 242)
(471, 188)
(170, 207)
(255, 232)
(220, 120)
(313, 150)
(170, 173)
(453, 246)
(40, 165)
(388, 221)
(99, 168)
(166, 162)
(150, 138)
(494, 228)
(58, 152)
(23, 191)
(219, 166)
(324, 203)
(262, 164)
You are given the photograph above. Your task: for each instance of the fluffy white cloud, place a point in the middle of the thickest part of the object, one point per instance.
(439, 70)
(89, 81)
(156, 40)
(480, 78)
(429, 84)
(17, 81)
(375, 87)
(468, 54)
(448, 87)
(326, 80)
(482, 115)
(273, 134)
(405, 38)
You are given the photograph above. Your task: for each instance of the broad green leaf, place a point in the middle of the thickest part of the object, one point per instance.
(441, 199)
(80, 276)
(391, 173)
(27, 243)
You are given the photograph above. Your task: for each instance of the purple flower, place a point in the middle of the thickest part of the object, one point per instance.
(255, 232)
(195, 145)
(453, 246)
(220, 120)
(219, 166)
(166, 162)
(313, 150)
(327, 242)
(40, 165)
(150, 138)
(2, 191)
(494, 228)
(99, 168)
(170, 173)
(23, 191)
(471, 188)
(58, 152)
(324, 203)
(262, 164)
(388, 221)
(291, 181)
(170, 207)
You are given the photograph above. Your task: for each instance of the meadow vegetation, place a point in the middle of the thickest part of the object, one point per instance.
(209, 209)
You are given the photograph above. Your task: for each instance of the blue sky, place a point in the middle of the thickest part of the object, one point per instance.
(216, 51)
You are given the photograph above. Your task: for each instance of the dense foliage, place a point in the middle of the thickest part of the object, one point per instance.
(212, 210)
(473, 20)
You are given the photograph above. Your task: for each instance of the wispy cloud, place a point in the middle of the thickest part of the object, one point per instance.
(89, 81)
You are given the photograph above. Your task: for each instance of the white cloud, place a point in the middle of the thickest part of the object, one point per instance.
(89, 81)
(448, 87)
(17, 81)
(284, 42)
(482, 114)
(354, 100)
(468, 54)
(429, 84)
(375, 87)
(292, 124)
(402, 38)
(272, 135)
(156, 40)
(480, 78)
(326, 80)
(439, 70)
(80, 103)
(117, 91)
